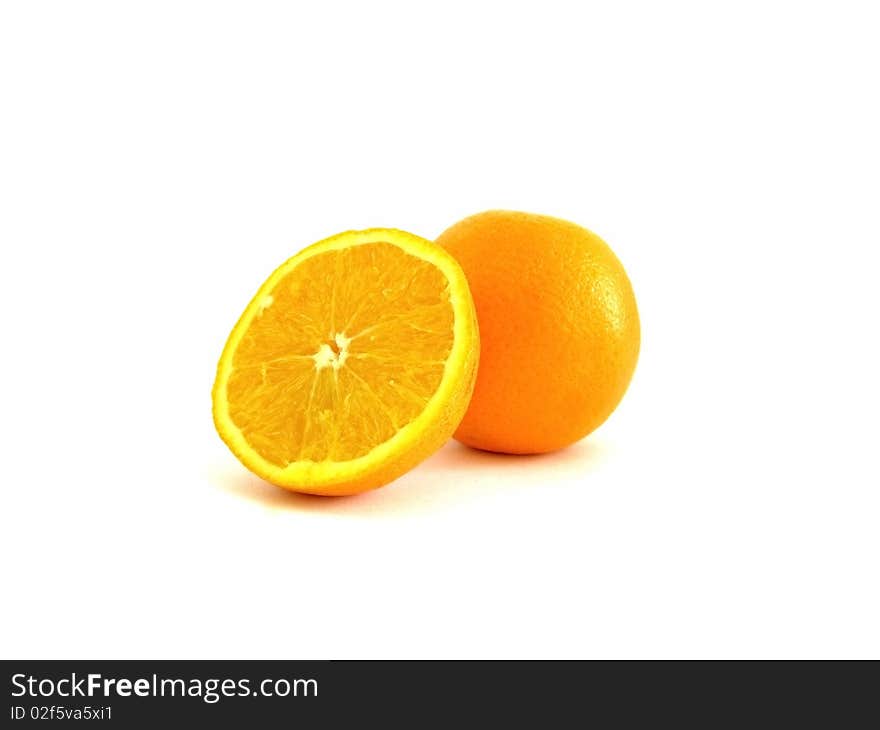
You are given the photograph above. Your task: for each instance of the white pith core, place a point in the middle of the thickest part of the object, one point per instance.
(332, 354)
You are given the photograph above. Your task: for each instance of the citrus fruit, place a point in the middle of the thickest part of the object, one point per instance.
(354, 361)
(559, 330)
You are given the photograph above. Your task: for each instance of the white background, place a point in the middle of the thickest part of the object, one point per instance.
(158, 160)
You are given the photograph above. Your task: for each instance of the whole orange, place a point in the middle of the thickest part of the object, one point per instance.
(559, 330)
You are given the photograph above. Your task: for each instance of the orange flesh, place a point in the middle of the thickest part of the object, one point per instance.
(345, 351)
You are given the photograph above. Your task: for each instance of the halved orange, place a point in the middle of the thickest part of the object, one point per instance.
(355, 361)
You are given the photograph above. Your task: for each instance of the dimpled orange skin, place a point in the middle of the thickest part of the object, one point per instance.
(559, 330)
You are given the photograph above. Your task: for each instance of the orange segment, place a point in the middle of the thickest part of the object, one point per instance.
(350, 365)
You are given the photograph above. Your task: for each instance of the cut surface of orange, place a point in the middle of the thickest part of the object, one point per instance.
(355, 360)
